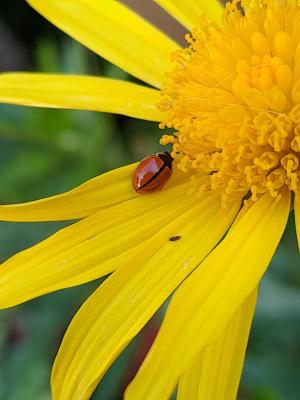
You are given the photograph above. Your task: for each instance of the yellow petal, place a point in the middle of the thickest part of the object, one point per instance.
(114, 32)
(117, 311)
(105, 190)
(203, 306)
(297, 217)
(80, 92)
(188, 12)
(215, 373)
(90, 248)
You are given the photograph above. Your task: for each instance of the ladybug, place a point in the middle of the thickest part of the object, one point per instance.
(152, 173)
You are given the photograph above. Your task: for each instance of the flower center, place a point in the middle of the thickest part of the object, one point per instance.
(234, 101)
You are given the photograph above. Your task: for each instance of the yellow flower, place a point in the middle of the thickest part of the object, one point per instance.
(233, 98)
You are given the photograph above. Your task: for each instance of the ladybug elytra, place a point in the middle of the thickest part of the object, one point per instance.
(152, 173)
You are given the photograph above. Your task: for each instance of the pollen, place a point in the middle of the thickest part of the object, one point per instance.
(233, 101)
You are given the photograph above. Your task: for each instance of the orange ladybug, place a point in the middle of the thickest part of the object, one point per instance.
(152, 173)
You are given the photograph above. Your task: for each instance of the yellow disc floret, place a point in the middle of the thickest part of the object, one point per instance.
(234, 101)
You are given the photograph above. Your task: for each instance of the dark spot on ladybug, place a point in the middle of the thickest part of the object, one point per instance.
(174, 238)
(152, 173)
(166, 158)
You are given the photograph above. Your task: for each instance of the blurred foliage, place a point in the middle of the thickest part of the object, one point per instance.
(43, 152)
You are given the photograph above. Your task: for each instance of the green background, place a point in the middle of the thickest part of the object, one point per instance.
(43, 152)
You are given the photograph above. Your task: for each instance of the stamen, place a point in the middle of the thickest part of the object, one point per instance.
(233, 100)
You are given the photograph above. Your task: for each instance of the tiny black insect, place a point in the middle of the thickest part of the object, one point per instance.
(174, 238)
